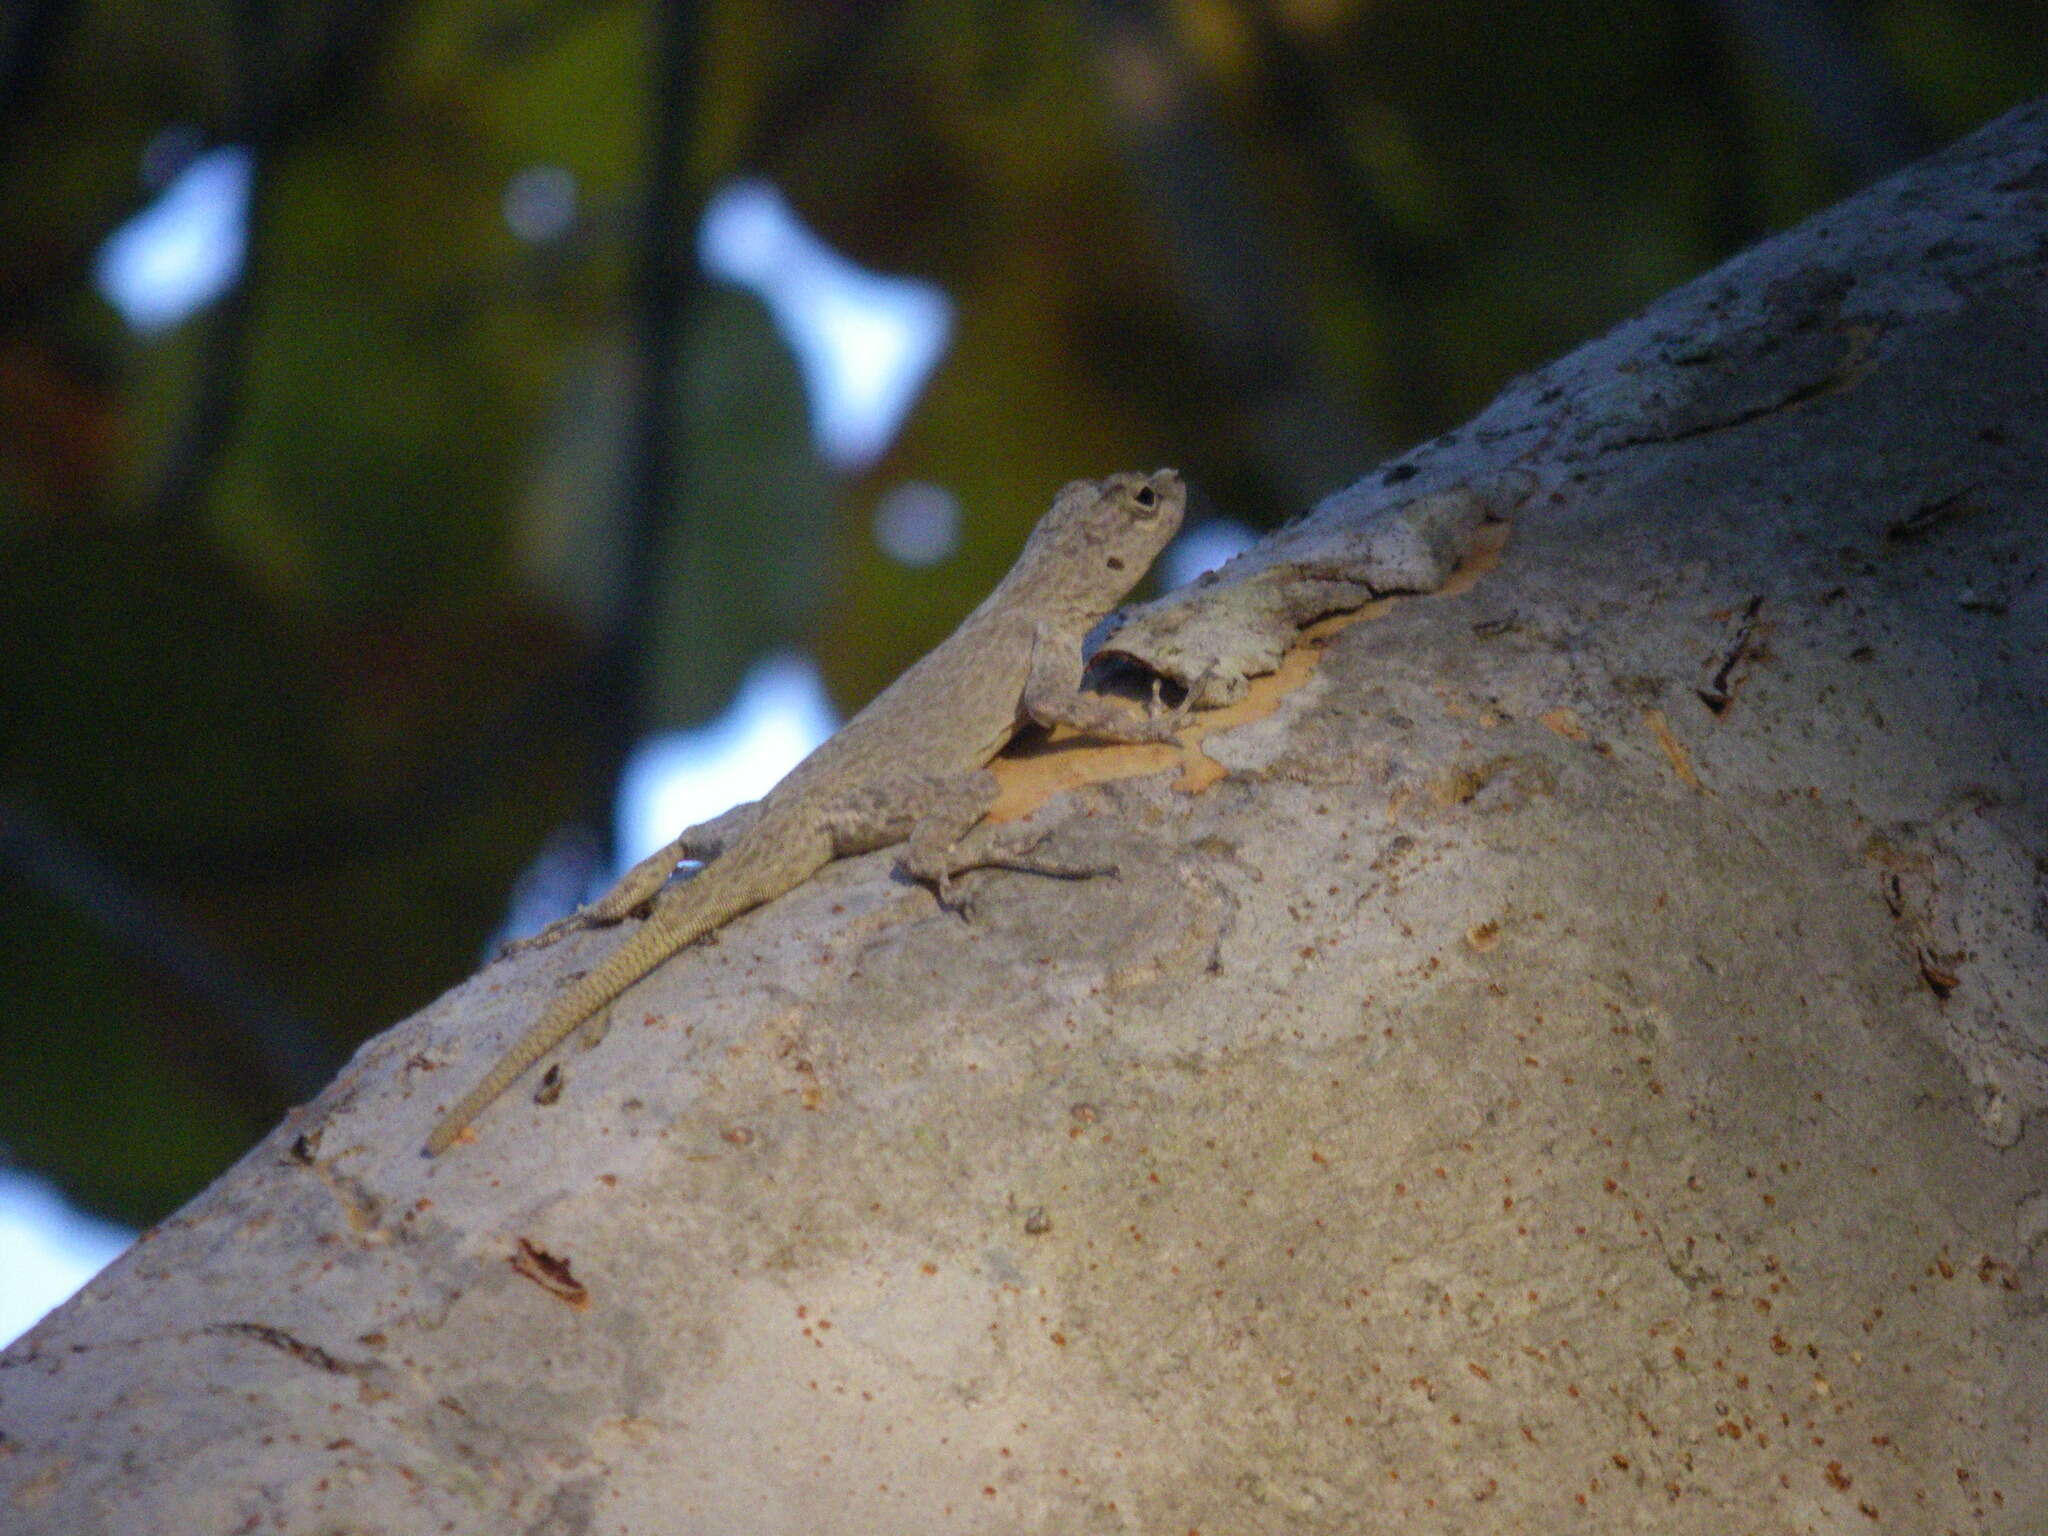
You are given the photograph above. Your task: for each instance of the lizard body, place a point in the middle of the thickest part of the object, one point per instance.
(909, 768)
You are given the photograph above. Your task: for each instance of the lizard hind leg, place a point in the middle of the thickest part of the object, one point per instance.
(948, 839)
(928, 813)
(638, 887)
(1004, 848)
(1019, 851)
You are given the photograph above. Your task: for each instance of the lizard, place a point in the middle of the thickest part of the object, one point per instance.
(910, 768)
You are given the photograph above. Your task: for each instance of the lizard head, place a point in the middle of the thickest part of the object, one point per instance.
(1101, 536)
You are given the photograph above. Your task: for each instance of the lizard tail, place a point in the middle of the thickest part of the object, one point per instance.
(724, 889)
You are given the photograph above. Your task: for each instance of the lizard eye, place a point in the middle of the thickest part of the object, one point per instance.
(1145, 497)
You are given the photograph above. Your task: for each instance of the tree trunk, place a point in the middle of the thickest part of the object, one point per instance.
(1557, 1055)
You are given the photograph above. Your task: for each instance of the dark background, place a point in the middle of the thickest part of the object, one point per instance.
(320, 611)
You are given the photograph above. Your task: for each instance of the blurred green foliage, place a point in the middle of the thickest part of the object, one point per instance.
(303, 603)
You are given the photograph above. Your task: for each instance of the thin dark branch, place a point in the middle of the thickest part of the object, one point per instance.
(269, 106)
(665, 286)
(1299, 103)
(791, 101)
(353, 40)
(1708, 69)
(299, 1056)
(201, 441)
(29, 33)
(351, 837)
(1241, 292)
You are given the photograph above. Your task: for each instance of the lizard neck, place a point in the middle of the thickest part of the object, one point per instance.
(1046, 584)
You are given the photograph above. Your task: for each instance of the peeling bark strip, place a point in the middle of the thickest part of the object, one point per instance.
(1720, 689)
(1236, 623)
(1508, 1087)
(551, 1274)
(277, 1338)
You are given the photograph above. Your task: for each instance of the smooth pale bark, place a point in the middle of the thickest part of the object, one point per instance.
(1561, 1060)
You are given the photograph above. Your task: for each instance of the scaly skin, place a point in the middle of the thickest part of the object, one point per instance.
(909, 766)
(755, 871)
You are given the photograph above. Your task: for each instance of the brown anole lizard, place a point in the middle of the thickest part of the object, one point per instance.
(910, 768)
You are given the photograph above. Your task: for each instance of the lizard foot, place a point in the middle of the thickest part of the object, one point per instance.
(1031, 864)
(558, 930)
(1020, 854)
(548, 935)
(1174, 716)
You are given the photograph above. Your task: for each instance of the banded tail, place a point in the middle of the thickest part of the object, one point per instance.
(755, 870)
